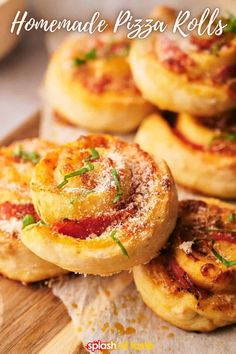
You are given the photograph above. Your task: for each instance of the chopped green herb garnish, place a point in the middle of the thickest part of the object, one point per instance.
(231, 24)
(87, 168)
(232, 217)
(217, 255)
(123, 249)
(28, 220)
(84, 194)
(118, 186)
(227, 137)
(91, 55)
(215, 229)
(40, 222)
(26, 156)
(89, 192)
(94, 156)
(215, 49)
(126, 49)
(220, 258)
(79, 172)
(74, 200)
(231, 137)
(79, 61)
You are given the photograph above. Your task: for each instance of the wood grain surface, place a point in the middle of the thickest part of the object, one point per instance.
(31, 316)
(32, 319)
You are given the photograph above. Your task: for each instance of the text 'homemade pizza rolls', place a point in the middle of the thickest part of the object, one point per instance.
(192, 283)
(193, 74)
(16, 211)
(200, 153)
(89, 83)
(106, 204)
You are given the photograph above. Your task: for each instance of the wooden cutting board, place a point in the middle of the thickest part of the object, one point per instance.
(32, 319)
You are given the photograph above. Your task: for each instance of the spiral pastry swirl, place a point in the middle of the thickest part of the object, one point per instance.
(200, 152)
(106, 204)
(89, 84)
(192, 283)
(194, 74)
(17, 162)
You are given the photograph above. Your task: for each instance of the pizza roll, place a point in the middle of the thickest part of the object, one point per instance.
(106, 204)
(192, 283)
(193, 74)
(16, 211)
(54, 128)
(89, 83)
(200, 152)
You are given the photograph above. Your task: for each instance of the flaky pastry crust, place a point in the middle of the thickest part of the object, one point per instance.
(195, 74)
(16, 165)
(201, 158)
(109, 206)
(89, 83)
(187, 285)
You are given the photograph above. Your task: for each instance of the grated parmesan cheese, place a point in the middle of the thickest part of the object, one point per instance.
(11, 226)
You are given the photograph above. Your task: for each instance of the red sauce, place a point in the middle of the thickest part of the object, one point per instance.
(10, 210)
(223, 236)
(100, 85)
(206, 268)
(186, 141)
(231, 88)
(204, 43)
(224, 74)
(119, 48)
(90, 225)
(222, 146)
(218, 146)
(85, 227)
(175, 59)
(183, 279)
(106, 83)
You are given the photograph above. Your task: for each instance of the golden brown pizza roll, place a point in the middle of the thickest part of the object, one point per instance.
(16, 211)
(200, 152)
(89, 83)
(193, 74)
(192, 283)
(54, 128)
(106, 204)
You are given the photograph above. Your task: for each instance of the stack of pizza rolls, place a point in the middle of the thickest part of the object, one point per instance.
(106, 206)
(193, 81)
(89, 86)
(17, 211)
(192, 283)
(100, 205)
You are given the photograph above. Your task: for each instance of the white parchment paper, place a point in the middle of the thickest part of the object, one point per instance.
(110, 309)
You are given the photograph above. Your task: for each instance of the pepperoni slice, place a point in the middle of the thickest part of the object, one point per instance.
(10, 210)
(180, 136)
(90, 225)
(183, 279)
(223, 236)
(85, 227)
